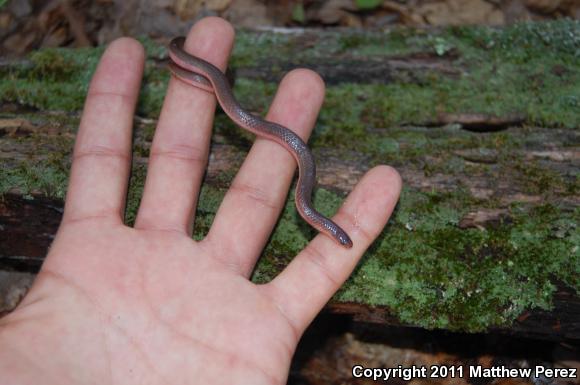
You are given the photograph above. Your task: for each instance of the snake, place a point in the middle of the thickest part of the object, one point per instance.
(204, 75)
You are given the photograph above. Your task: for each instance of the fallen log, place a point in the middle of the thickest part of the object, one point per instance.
(485, 235)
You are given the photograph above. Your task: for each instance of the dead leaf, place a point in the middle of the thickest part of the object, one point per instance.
(333, 11)
(483, 218)
(20, 42)
(479, 155)
(7, 23)
(458, 12)
(406, 13)
(17, 125)
(248, 13)
(543, 6)
(557, 156)
(482, 122)
(514, 11)
(186, 9)
(76, 21)
(351, 20)
(55, 38)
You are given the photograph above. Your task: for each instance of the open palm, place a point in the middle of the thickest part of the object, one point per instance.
(148, 305)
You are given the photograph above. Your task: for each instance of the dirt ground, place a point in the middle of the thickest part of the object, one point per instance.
(30, 24)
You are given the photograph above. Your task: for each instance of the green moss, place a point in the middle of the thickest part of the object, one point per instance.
(255, 96)
(34, 178)
(56, 79)
(529, 68)
(539, 180)
(48, 175)
(51, 64)
(350, 109)
(424, 268)
(153, 90)
(431, 273)
(210, 199)
(136, 185)
(251, 48)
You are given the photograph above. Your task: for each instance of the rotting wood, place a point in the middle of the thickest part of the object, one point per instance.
(468, 182)
(411, 68)
(560, 323)
(29, 222)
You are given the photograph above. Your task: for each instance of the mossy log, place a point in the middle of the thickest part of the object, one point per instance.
(481, 123)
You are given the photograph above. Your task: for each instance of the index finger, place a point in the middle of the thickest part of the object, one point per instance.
(102, 153)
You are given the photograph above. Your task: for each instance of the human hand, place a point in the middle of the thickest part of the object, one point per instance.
(148, 305)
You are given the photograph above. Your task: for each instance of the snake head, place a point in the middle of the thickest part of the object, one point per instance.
(344, 239)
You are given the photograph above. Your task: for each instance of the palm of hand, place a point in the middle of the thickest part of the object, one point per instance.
(147, 305)
(151, 295)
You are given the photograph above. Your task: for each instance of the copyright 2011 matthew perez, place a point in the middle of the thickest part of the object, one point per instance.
(459, 371)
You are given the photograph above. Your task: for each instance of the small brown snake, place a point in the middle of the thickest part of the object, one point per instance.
(204, 75)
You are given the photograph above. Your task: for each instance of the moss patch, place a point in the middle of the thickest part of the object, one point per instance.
(426, 269)
(431, 273)
(529, 68)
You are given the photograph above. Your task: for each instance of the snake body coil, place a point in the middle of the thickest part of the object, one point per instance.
(204, 75)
